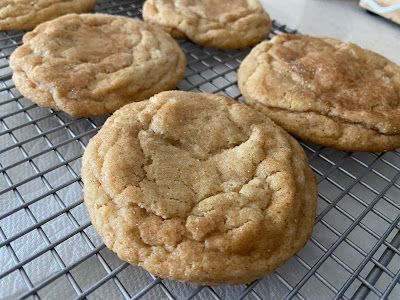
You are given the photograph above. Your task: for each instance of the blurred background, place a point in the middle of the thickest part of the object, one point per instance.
(343, 19)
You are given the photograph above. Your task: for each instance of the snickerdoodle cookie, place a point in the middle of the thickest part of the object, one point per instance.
(198, 187)
(27, 14)
(212, 23)
(326, 91)
(92, 64)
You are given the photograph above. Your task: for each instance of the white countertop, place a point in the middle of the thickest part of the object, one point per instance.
(342, 19)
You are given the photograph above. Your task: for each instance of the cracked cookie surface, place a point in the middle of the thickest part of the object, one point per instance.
(198, 187)
(326, 91)
(92, 64)
(213, 23)
(27, 14)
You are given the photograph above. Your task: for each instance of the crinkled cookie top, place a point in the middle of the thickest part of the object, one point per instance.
(92, 64)
(198, 187)
(220, 24)
(326, 76)
(27, 14)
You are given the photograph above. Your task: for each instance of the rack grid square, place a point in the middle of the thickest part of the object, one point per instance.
(49, 249)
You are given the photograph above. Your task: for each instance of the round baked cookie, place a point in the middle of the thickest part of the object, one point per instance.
(213, 23)
(92, 64)
(27, 14)
(198, 187)
(326, 91)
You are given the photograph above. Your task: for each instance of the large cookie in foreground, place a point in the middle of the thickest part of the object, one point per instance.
(27, 14)
(92, 64)
(198, 187)
(326, 91)
(230, 24)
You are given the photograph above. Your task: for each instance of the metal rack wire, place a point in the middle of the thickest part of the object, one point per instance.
(49, 250)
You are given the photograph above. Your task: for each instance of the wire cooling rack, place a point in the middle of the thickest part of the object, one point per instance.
(49, 250)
